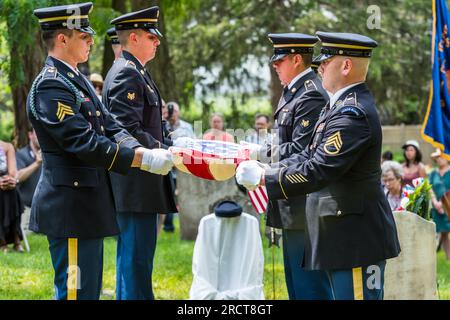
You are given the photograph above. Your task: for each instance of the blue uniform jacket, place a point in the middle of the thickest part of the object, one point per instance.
(348, 220)
(80, 143)
(134, 100)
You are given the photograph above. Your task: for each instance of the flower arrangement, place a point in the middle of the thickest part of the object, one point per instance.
(417, 198)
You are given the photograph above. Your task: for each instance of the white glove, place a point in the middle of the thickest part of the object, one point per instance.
(157, 161)
(183, 142)
(249, 174)
(254, 148)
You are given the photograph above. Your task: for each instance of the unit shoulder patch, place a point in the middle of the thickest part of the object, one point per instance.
(352, 111)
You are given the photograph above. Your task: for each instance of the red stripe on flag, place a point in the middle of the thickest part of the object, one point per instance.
(259, 199)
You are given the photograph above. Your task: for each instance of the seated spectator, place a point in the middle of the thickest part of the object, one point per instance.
(262, 135)
(413, 167)
(29, 163)
(440, 182)
(216, 132)
(391, 175)
(97, 81)
(10, 205)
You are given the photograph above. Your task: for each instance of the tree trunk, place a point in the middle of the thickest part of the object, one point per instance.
(161, 67)
(275, 89)
(108, 54)
(32, 63)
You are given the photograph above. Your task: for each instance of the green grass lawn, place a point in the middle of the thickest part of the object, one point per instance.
(30, 275)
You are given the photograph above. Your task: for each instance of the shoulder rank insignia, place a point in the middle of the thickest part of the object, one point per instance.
(305, 123)
(63, 111)
(333, 144)
(310, 85)
(350, 99)
(131, 96)
(50, 72)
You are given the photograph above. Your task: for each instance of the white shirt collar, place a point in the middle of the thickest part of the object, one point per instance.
(338, 94)
(301, 74)
(70, 67)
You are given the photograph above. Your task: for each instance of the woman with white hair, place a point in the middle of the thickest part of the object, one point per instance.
(391, 175)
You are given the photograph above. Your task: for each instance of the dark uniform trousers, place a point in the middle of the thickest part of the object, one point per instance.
(295, 117)
(130, 94)
(349, 224)
(73, 204)
(78, 265)
(361, 283)
(135, 251)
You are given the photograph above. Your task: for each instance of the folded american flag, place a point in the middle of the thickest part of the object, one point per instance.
(217, 160)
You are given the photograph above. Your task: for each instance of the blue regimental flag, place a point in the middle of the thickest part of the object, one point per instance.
(436, 126)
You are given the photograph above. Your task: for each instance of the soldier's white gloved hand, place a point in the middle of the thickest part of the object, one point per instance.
(249, 174)
(157, 161)
(254, 148)
(184, 142)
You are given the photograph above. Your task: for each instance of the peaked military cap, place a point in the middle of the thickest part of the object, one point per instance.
(73, 16)
(289, 43)
(345, 44)
(228, 209)
(146, 19)
(112, 35)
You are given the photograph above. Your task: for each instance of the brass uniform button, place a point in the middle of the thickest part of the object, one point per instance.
(98, 113)
(76, 183)
(102, 128)
(339, 212)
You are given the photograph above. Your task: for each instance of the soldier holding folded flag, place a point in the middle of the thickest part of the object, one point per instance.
(350, 229)
(80, 142)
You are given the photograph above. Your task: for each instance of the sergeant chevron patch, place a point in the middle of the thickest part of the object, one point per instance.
(63, 111)
(333, 144)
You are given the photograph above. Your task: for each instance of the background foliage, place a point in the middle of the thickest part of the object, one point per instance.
(214, 54)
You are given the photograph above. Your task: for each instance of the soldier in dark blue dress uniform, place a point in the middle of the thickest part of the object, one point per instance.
(132, 96)
(298, 111)
(80, 141)
(350, 227)
(115, 43)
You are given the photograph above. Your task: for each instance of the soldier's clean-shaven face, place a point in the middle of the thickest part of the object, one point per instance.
(78, 46)
(284, 69)
(330, 71)
(148, 44)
